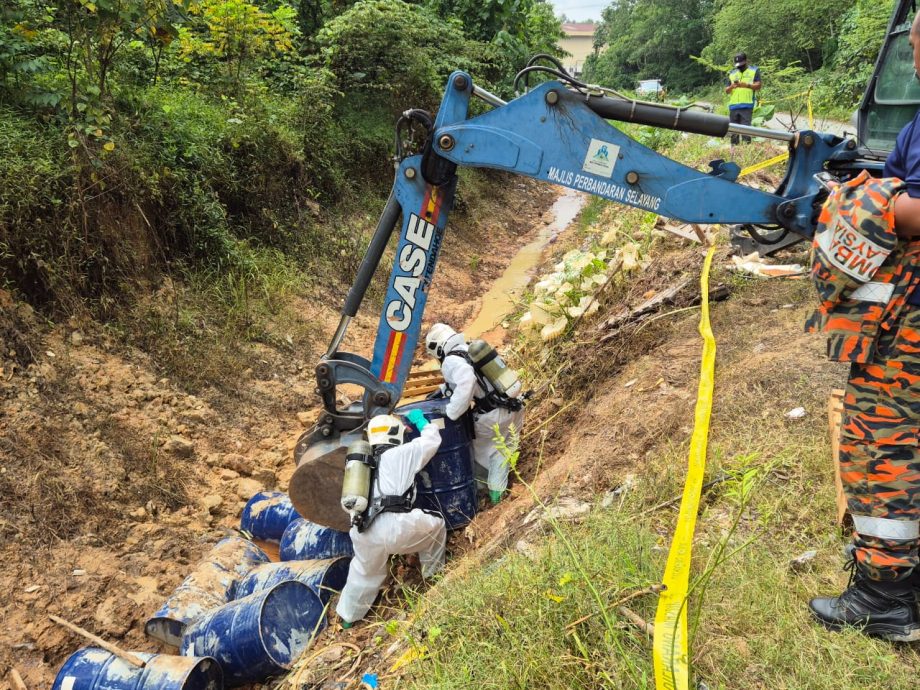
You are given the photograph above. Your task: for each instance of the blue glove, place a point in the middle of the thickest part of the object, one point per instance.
(417, 419)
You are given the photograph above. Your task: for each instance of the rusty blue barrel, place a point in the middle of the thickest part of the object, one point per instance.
(306, 541)
(325, 577)
(258, 636)
(447, 483)
(267, 515)
(92, 668)
(210, 585)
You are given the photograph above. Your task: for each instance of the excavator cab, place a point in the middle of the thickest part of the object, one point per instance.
(892, 96)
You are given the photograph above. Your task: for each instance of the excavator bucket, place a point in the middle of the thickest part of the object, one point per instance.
(316, 486)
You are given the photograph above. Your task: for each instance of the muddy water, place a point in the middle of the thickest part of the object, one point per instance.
(506, 291)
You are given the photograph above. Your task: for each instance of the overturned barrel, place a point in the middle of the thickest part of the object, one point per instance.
(267, 514)
(325, 577)
(92, 668)
(446, 484)
(305, 541)
(209, 586)
(258, 636)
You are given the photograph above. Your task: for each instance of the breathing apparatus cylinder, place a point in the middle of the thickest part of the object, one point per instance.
(488, 362)
(356, 486)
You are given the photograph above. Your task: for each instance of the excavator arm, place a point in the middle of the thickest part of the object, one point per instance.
(560, 134)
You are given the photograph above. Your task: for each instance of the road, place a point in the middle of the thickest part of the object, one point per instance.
(784, 121)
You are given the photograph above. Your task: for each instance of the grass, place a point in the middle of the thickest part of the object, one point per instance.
(530, 618)
(510, 625)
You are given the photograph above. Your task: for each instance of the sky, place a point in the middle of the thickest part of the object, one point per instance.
(577, 10)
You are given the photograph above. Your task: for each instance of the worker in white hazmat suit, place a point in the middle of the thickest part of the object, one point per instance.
(464, 389)
(398, 529)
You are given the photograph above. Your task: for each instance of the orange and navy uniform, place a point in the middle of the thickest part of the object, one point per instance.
(871, 317)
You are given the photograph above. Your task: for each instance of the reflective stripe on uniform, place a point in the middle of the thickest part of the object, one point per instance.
(739, 96)
(873, 292)
(886, 528)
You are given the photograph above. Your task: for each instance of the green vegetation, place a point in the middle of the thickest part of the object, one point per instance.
(543, 608)
(824, 47)
(538, 625)
(225, 149)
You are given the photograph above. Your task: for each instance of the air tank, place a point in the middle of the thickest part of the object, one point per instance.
(493, 368)
(357, 483)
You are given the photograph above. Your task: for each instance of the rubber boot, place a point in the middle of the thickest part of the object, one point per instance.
(914, 580)
(880, 609)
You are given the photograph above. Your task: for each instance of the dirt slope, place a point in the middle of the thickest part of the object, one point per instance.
(115, 479)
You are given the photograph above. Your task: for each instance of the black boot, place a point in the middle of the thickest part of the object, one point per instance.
(914, 580)
(881, 609)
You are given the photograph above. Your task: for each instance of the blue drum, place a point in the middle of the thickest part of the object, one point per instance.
(447, 484)
(325, 577)
(306, 541)
(210, 585)
(267, 515)
(258, 636)
(92, 668)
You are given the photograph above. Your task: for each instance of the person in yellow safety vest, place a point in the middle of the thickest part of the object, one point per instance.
(742, 86)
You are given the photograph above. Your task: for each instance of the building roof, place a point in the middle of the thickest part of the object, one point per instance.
(578, 28)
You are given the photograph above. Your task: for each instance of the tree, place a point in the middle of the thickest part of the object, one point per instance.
(651, 39)
(401, 51)
(96, 30)
(517, 29)
(787, 30)
(237, 34)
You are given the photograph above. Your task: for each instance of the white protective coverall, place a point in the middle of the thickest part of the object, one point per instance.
(394, 533)
(460, 377)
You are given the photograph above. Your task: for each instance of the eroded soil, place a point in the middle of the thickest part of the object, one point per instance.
(115, 480)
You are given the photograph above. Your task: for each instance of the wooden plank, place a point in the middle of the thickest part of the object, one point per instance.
(835, 420)
(415, 383)
(421, 390)
(107, 646)
(422, 382)
(647, 307)
(700, 234)
(684, 232)
(17, 680)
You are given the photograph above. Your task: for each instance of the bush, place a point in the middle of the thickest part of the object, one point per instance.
(35, 176)
(400, 52)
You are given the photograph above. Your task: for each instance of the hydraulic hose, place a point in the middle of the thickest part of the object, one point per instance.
(683, 120)
(378, 244)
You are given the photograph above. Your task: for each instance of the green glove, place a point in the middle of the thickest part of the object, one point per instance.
(417, 419)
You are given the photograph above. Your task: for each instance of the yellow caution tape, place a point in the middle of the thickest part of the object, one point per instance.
(671, 653)
(763, 164)
(783, 156)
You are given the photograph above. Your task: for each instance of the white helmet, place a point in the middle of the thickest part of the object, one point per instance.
(385, 430)
(441, 339)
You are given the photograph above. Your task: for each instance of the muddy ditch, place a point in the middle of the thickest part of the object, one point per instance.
(116, 479)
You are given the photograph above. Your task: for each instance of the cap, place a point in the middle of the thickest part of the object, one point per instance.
(740, 59)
